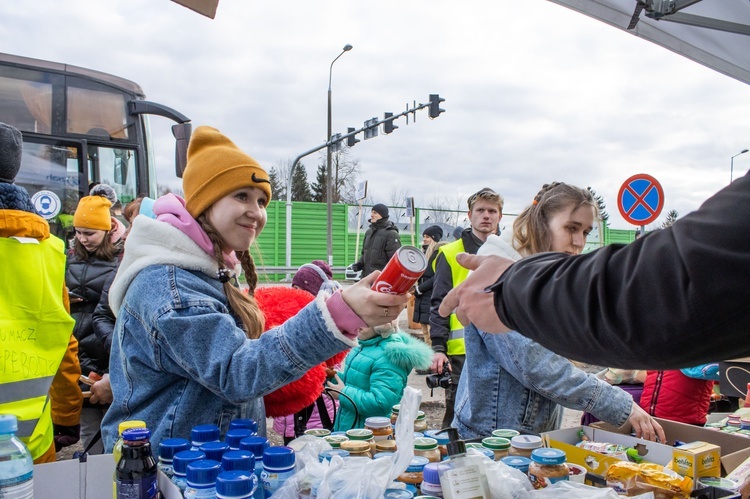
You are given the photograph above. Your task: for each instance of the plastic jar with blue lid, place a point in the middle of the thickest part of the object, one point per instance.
(547, 467)
(203, 433)
(167, 449)
(201, 479)
(278, 467)
(180, 463)
(246, 423)
(235, 485)
(431, 480)
(234, 437)
(238, 460)
(214, 450)
(518, 462)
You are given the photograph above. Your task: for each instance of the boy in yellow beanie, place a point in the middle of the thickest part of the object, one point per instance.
(188, 347)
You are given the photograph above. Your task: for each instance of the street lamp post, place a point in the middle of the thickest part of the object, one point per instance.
(329, 186)
(731, 166)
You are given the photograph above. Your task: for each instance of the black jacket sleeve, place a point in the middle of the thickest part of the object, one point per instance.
(103, 319)
(442, 283)
(674, 298)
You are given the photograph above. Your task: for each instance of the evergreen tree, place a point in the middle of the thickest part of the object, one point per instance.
(319, 186)
(603, 215)
(300, 187)
(671, 218)
(277, 186)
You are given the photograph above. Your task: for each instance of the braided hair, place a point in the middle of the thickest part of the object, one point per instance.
(241, 304)
(531, 232)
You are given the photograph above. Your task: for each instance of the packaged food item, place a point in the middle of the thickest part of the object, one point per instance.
(335, 440)
(442, 441)
(394, 413)
(498, 445)
(380, 427)
(364, 435)
(431, 481)
(547, 467)
(420, 424)
(628, 478)
(518, 462)
(385, 446)
(428, 448)
(523, 445)
(356, 448)
(505, 433)
(318, 432)
(414, 472)
(619, 451)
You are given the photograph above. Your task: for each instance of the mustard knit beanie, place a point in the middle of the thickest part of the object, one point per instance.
(93, 213)
(217, 167)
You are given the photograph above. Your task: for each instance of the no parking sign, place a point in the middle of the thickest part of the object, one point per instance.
(641, 199)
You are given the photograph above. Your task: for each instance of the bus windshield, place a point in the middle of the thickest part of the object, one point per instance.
(80, 127)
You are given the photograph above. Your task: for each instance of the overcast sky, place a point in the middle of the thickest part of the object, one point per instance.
(534, 92)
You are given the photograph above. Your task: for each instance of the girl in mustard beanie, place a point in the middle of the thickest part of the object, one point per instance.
(187, 346)
(93, 260)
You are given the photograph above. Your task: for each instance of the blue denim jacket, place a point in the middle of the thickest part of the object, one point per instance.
(178, 358)
(509, 381)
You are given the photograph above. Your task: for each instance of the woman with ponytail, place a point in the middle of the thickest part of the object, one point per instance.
(187, 347)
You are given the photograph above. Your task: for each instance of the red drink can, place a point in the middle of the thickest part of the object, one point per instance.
(403, 270)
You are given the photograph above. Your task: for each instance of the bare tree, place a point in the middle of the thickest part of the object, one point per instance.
(671, 219)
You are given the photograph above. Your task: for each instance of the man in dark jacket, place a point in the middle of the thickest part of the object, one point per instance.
(674, 298)
(381, 242)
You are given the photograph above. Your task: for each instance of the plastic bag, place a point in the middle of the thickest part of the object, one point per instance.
(573, 490)
(308, 470)
(362, 478)
(504, 482)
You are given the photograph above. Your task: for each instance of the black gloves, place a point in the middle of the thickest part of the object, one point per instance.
(66, 435)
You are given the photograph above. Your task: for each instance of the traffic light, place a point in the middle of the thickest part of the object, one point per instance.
(435, 101)
(388, 126)
(352, 139)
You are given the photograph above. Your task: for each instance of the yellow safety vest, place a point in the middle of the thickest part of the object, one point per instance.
(34, 333)
(455, 344)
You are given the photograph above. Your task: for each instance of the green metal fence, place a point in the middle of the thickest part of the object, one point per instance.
(309, 236)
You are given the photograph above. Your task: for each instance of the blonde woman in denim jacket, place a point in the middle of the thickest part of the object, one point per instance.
(510, 381)
(187, 346)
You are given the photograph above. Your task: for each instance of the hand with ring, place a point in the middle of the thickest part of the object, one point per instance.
(373, 307)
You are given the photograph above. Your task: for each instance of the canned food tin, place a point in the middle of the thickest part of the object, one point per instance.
(403, 270)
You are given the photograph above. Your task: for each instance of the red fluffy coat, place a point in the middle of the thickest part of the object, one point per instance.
(278, 304)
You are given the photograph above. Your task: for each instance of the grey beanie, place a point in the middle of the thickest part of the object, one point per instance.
(381, 209)
(11, 146)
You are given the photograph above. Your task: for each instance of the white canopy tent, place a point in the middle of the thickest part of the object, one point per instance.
(715, 33)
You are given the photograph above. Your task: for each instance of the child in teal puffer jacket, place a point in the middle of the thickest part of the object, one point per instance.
(375, 374)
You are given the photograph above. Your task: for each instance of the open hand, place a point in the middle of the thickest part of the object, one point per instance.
(471, 303)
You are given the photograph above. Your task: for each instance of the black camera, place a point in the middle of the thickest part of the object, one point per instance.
(439, 380)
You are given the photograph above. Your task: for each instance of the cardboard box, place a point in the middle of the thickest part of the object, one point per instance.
(595, 462)
(734, 448)
(697, 459)
(92, 479)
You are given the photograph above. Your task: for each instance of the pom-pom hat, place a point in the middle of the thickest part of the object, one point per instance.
(217, 167)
